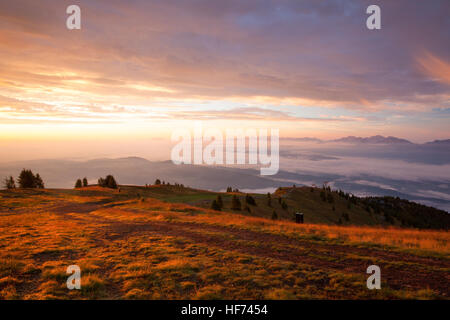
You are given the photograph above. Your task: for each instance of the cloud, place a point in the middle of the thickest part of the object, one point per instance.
(157, 54)
(435, 67)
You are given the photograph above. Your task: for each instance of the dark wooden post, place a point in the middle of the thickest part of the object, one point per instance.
(299, 217)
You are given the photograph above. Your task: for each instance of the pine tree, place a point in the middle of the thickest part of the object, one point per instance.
(219, 201)
(78, 184)
(110, 182)
(330, 198)
(38, 181)
(235, 203)
(215, 205)
(250, 200)
(27, 179)
(9, 183)
(345, 216)
(274, 215)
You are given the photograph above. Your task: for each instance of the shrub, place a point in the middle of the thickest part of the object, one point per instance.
(85, 182)
(157, 182)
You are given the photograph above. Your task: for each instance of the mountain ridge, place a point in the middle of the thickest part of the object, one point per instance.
(377, 139)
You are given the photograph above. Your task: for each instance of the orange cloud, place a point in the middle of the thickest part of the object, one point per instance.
(435, 67)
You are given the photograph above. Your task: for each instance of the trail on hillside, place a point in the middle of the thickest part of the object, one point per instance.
(399, 270)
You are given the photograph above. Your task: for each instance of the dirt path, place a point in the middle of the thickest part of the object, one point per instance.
(399, 270)
(329, 257)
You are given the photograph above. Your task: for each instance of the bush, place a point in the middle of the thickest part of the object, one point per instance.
(157, 182)
(85, 182)
(284, 205)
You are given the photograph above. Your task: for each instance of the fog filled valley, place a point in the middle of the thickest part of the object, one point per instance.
(376, 166)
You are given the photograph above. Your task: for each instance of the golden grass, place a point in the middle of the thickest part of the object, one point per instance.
(120, 261)
(430, 240)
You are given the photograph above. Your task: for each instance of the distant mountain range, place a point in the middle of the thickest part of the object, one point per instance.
(378, 139)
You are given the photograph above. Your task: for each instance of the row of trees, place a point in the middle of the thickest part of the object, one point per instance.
(26, 180)
(110, 182)
(107, 182)
(81, 183)
(158, 182)
(217, 204)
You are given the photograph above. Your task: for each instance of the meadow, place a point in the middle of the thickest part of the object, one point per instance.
(164, 242)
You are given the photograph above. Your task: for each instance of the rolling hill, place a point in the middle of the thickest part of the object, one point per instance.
(163, 242)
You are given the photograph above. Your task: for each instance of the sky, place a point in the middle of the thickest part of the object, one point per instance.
(137, 70)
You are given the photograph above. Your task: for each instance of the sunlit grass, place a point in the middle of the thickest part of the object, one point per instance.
(180, 256)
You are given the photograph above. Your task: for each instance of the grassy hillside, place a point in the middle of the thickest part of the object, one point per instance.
(163, 242)
(318, 205)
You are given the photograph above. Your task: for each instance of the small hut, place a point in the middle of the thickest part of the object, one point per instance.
(299, 217)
